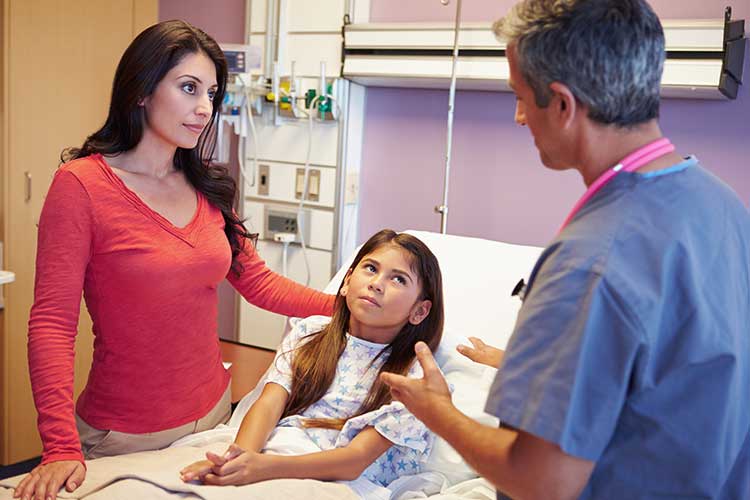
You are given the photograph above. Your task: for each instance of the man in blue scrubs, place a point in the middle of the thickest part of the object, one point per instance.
(628, 372)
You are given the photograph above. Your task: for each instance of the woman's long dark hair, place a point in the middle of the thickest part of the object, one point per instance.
(314, 363)
(152, 54)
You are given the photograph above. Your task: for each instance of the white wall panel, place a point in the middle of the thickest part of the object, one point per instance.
(282, 184)
(321, 233)
(253, 215)
(263, 328)
(320, 273)
(259, 327)
(360, 11)
(320, 15)
(309, 49)
(288, 142)
(258, 16)
(352, 160)
(321, 224)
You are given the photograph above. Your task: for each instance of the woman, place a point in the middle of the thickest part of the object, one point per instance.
(143, 224)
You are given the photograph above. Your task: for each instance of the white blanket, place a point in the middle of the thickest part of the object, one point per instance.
(289, 441)
(155, 475)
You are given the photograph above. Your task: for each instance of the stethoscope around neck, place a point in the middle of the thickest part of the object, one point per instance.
(635, 160)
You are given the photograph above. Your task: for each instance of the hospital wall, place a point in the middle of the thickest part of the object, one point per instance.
(499, 188)
(224, 20)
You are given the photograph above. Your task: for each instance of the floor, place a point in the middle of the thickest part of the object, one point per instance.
(19, 468)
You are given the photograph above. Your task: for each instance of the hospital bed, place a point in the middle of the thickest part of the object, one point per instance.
(478, 277)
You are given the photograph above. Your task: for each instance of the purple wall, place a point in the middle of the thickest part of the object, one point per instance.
(224, 20)
(499, 188)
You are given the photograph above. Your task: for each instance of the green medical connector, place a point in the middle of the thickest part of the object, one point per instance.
(323, 105)
(309, 96)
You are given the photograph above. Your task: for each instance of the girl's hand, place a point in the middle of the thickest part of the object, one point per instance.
(482, 353)
(239, 467)
(44, 481)
(197, 470)
(213, 464)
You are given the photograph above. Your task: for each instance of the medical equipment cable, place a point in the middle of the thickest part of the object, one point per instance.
(284, 258)
(443, 209)
(241, 147)
(305, 176)
(254, 134)
(305, 188)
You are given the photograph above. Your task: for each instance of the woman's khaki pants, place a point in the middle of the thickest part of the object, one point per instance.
(97, 443)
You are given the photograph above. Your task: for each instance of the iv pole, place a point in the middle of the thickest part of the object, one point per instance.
(443, 209)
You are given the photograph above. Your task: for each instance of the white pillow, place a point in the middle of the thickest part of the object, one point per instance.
(478, 277)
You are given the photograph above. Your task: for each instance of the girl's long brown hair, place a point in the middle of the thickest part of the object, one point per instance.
(314, 362)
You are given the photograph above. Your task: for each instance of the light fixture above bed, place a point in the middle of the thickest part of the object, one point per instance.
(705, 58)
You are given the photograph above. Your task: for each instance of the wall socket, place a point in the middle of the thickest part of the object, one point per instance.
(313, 184)
(263, 179)
(283, 220)
(351, 194)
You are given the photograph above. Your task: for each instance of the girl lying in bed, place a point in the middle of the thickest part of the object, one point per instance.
(325, 378)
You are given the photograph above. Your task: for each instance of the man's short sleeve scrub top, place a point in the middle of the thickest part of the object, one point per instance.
(632, 348)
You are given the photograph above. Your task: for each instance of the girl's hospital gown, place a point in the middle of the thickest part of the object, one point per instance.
(355, 373)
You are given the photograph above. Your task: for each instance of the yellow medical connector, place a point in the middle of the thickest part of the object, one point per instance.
(285, 101)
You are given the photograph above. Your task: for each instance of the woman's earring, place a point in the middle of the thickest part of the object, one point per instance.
(343, 291)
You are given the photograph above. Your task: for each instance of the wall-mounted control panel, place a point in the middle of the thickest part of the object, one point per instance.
(279, 220)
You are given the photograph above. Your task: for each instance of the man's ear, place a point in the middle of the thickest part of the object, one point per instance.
(420, 311)
(565, 104)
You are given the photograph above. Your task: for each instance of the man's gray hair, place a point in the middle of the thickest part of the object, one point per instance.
(609, 53)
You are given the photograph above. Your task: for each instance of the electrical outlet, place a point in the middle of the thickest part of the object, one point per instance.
(263, 179)
(299, 183)
(283, 220)
(351, 194)
(313, 184)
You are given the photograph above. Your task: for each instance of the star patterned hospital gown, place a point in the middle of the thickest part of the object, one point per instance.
(355, 373)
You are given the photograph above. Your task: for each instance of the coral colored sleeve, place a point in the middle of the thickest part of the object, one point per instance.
(264, 288)
(63, 251)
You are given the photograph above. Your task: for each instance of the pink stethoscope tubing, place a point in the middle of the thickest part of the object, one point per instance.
(630, 163)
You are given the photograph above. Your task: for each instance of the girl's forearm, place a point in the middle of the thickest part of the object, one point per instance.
(339, 464)
(255, 429)
(262, 418)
